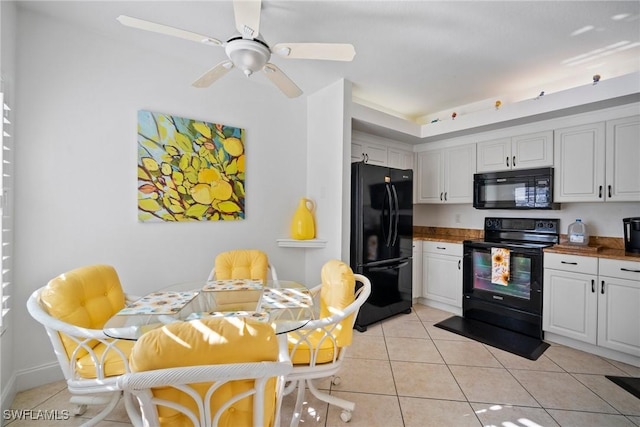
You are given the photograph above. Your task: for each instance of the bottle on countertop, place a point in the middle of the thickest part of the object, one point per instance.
(577, 233)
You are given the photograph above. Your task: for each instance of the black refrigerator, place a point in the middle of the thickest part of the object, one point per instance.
(382, 238)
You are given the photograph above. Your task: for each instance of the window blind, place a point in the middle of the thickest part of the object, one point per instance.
(6, 217)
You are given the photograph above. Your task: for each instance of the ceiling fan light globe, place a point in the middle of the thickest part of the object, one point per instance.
(247, 55)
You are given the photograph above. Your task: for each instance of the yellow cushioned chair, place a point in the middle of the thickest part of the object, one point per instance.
(242, 264)
(225, 372)
(318, 349)
(73, 308)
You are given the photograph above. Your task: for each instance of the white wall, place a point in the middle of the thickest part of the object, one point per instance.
(76, 199)
(328, 172)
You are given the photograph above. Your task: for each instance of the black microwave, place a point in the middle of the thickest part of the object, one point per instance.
(516, 189)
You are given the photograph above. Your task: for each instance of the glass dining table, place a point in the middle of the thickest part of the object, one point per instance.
(286, 305)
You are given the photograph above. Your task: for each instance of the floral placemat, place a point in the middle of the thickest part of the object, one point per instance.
(165, 302)
(260, 316)
(286, 298)
(233, 285)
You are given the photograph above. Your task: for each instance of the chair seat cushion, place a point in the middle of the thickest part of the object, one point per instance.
(206, 342)
(323, 344)
(114, 362)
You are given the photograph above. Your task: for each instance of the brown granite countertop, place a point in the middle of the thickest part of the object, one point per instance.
(444, 234)
(600, 247)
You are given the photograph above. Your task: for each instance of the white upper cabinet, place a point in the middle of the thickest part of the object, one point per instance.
(446, 175)
(622, 168)
(373, 150)
(368, 153)
(598, 162)
(399, 159)
(579, 168)
(519, 152)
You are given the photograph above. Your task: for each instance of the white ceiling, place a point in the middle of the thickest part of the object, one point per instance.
(414, 59)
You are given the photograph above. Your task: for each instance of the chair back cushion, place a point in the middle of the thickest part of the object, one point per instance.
(242, 264)
(336, 293)
(86, 297)
(206, 342)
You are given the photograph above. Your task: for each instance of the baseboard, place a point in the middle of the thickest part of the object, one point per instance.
(593, 349)
(37, 376)
(440, 306)
(9, 393)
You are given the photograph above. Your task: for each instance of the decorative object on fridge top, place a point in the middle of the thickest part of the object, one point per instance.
(303, 224)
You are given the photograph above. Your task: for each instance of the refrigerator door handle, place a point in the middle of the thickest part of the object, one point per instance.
(396, 210)
(389, 231)
(390, 267)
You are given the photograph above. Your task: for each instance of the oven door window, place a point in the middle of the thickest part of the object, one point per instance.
(519, 283)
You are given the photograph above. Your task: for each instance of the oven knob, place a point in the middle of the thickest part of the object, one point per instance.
(540, 225)
(489, 223)
(550, 226)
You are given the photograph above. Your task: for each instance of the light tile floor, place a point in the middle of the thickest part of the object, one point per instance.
(405, 372)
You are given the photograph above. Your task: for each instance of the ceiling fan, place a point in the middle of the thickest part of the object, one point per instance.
(247, 51)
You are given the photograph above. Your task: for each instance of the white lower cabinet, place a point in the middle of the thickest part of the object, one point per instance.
(619, 305)
(416, 278)
(569, 297)
(596, 301)
(442, 272)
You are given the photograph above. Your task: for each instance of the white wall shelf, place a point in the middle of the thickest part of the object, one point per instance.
(293, 243)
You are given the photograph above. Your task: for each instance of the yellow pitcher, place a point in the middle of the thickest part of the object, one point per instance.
(303, 225)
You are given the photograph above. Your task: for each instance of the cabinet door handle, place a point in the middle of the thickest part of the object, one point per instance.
(600, 193)
(367, 156)
(593, 285)
(441, 248)
(567, 262)
(513, 162)
(459, 263)
(445, 196)
(602, 287)
(441, 196)
(629, 270)
(507, 161)
(609, 191)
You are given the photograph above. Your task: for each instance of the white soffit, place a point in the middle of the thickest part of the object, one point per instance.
(620, 90)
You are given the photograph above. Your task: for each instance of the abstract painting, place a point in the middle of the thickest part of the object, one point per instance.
(189, 170)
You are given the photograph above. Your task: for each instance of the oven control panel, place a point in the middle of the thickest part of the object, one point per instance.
(537, 225)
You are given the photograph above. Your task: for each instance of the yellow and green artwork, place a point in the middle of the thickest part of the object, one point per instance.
(189, 170)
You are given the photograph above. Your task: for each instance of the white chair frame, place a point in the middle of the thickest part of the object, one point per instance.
(139, 384)
(102, 390)
(301, 375)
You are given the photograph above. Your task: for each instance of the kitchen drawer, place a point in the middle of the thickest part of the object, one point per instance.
(618, 268)
(444, 248)
(575, 263)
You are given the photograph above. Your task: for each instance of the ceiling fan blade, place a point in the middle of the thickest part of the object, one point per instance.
(327, 51)
(280, 79)
(213, 74)
(165, 29)
(247, 13)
